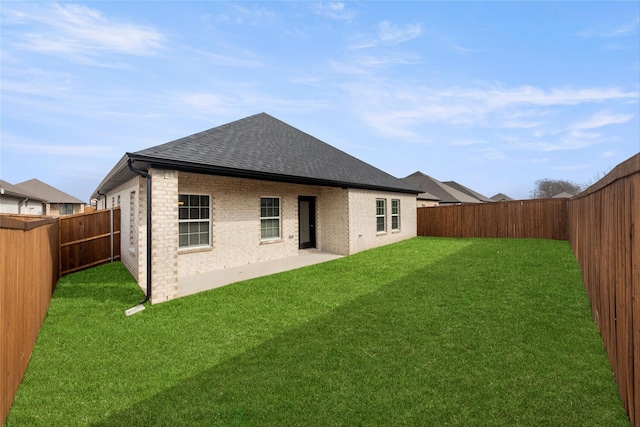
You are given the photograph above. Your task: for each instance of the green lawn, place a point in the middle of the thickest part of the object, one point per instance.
(427, 332)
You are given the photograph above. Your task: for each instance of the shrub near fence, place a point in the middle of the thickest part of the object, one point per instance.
(536, 218)
(604, 232)
(29, 272)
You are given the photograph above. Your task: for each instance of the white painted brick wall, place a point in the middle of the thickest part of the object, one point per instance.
(362, 220)
(164, 220)
(345, 224)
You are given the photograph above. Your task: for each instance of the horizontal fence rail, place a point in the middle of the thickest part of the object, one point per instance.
(537, 218)
(35, 252)
(604, 224)
(90, 239)
(29, 271)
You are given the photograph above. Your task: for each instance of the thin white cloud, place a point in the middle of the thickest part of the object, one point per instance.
(389, 33)
(80, 32)
(621, 30)
(546, 118)
(334, 10)
(601, 119)
(468, 142)
(18, 144)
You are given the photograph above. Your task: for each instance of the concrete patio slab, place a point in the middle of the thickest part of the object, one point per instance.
(193, 284)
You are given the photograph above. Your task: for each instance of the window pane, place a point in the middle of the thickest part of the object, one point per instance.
(395, 223)
(269, 228)
(380, 223)
(395, 206)
(192, 232)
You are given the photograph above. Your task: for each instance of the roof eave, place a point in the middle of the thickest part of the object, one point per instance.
(159, 163)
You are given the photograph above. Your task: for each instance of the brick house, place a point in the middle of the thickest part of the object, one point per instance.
(252, 190)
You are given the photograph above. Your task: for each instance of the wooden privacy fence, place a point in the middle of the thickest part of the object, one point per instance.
(604, 232)
(89, 239)
(34, 253)
(537, 218)
(29, 272)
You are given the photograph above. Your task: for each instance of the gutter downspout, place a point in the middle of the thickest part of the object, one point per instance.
(105, 199)
(148, 177)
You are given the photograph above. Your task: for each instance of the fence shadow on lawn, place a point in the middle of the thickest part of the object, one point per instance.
(468, 340)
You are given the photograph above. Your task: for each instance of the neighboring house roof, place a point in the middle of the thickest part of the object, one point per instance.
(427, 196)
(15, 191)
(468, 191)
(563, 194)
(46, 192)
(258, 147)
(501, 197)
(445, 193)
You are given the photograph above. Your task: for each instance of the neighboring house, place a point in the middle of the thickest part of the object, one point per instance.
(447, 194)
(501, 197)
(425, 200)
(15, 200)
(57, 202)
(251, 190)
(563, 195)
(468, 191)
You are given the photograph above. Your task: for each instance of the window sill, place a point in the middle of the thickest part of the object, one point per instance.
(381, 233)
(395, 231)
(194, 250)
(269, 242)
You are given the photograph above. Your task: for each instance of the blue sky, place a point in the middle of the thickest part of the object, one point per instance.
(493, 95)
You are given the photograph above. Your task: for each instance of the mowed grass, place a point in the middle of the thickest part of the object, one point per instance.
(427, 332)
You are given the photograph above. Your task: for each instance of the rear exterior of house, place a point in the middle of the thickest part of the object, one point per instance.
(205, 220)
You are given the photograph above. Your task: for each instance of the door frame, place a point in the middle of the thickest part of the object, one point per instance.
(312, 223)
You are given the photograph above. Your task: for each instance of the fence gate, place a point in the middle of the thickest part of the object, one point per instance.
(89, 239)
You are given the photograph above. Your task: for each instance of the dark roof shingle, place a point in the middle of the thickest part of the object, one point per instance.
(263, 147)
(44, 191)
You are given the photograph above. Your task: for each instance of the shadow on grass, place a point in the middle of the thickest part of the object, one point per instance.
(107, 282)
(450, 344)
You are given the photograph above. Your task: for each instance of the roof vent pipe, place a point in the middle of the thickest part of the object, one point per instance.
(148, 177)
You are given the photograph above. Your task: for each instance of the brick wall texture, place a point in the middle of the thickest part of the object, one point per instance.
(345, 224)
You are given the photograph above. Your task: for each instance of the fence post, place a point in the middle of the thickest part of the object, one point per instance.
(111, 230)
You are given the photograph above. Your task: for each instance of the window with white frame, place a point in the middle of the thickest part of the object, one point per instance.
(395, 214)
(381, 215)
(193, 221)
(269, 218)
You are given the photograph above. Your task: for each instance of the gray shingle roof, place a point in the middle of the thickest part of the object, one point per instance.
(15, 191)
(501, 197)
(468, 191)
(445, 193)
(46, 192)
(263, 147)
